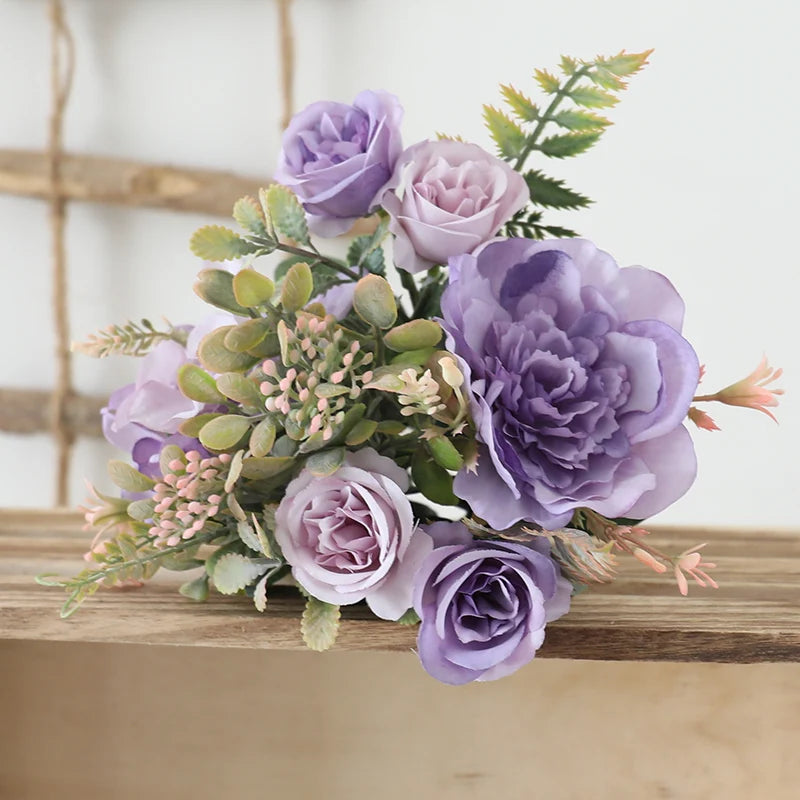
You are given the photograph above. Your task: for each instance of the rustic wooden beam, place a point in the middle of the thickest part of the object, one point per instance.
(95, 179)
(28, 411)
(113, 180)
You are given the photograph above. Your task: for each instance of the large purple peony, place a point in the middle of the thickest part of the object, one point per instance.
(338, 158)
(579, 382)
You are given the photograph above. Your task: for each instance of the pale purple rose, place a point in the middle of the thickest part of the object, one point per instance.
(484, 604)
(338, 158)
(142, 416)
(351, 536)
(579, 382)
(446, 199)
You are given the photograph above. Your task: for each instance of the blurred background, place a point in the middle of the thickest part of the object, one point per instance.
(698, 179)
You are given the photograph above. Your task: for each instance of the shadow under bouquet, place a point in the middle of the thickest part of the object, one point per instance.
(461, 439)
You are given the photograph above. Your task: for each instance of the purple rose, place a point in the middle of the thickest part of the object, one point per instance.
(143, 416)
(484, 604)
(339, 158)
(448, 198)
(351, 536)
(579, 382)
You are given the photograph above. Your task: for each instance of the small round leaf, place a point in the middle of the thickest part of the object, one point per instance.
(374, 301)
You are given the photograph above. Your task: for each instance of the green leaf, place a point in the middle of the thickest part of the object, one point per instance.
(624, 64)
(297, 287)
(409, 618)
(141, 510)
(251, 288)
(128, 478)
(445, 454)
(240, 388)
(320, 624)
(366, 250)
(592, 97)
(191, 427)
(602, 77)
(414, 335)
(217, 243)
(257, 469)
(374, 301)
(431, 479)
(248, 535)
(524, 108)
(263, 437)
(547, 81)
(361, 432)
(234, 571)
(569, 66)
(566, 145)
(215, 286)
(215, 357)
(222, 433)
(268, 347)
(556, 231)
(508, 136)
(198, 385)
(577, 120)
(413, 358)
(326, 462)
(234, 473)
(196, 589)
(247, 335)
(247, 212)
(287, 214)
(552, 193)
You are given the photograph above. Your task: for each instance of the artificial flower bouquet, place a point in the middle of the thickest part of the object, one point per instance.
(461, 441)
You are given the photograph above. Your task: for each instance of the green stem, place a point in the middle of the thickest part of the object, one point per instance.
(310, 254)
(562, 92)
(410, 285)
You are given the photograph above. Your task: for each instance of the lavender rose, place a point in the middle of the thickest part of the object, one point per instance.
(579, 382)
(142, 415)
(339, 158)
(484, 604)
(351, 536)
(448, 198)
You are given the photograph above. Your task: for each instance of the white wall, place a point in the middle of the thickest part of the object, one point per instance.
(697, 179)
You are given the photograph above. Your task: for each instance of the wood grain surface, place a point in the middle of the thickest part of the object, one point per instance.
(753, 617)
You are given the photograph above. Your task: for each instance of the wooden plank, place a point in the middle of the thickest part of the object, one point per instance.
(29, 411)
(753, 617)
(98, 179)
(113, 180)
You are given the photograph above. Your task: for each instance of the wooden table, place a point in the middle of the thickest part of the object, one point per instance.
(753, 617)
(95, 706)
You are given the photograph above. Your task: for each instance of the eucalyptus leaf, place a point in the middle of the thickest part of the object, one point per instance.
(262, 438)
(265, 467)
(216, 357)
(247, 335)
(414, 335)
(298, 286)
(251, 288)
(224, 432)
(198, 385)
(215, 286)
(374, 301)
(128, 478)
(240, 388)
(326, 462)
